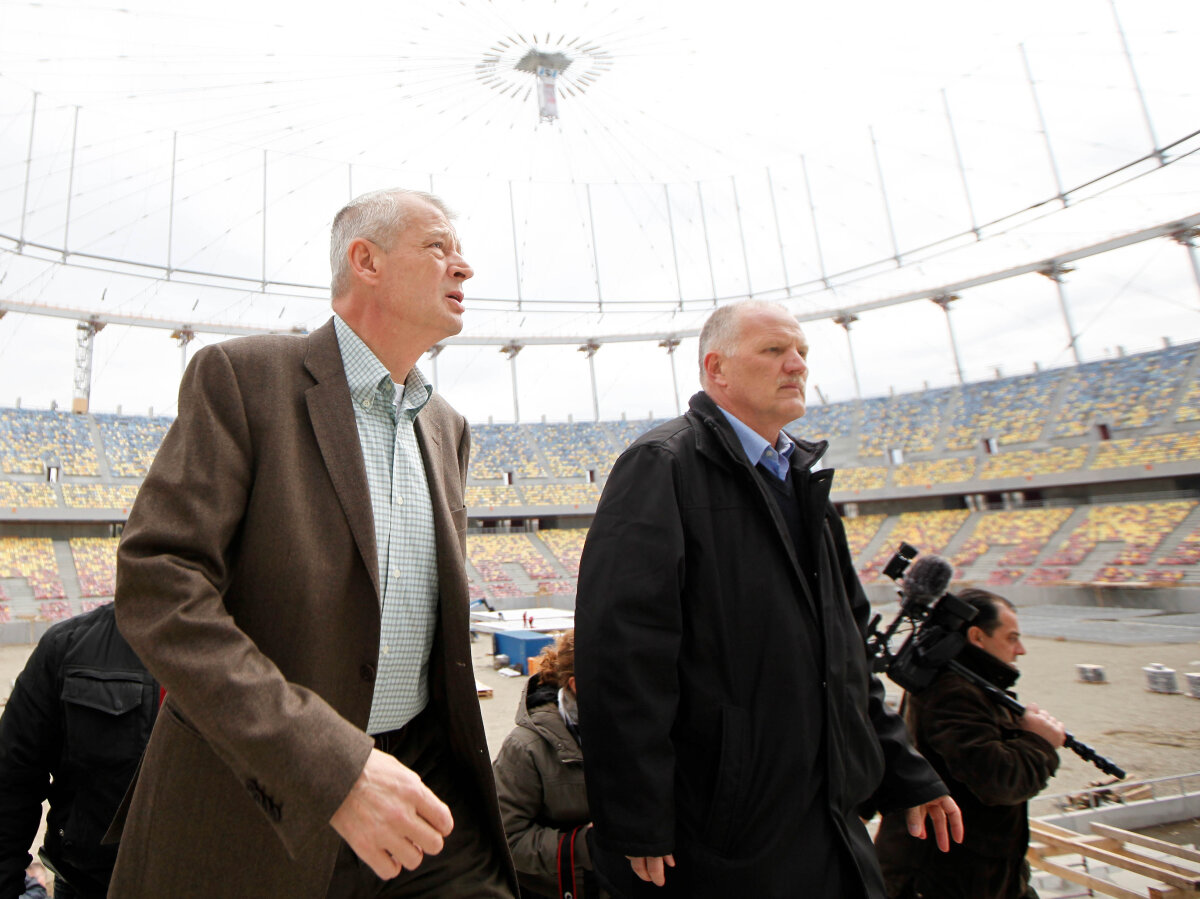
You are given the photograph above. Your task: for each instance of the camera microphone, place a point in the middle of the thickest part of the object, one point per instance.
(926, 580)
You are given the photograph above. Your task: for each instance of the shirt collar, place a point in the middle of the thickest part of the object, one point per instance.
(367, 376)
(776, 458)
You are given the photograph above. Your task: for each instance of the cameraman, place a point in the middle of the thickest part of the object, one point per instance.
(992, 761)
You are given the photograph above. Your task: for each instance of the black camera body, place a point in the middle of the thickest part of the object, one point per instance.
(939, 637)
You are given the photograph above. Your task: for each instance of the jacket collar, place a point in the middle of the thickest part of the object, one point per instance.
(718, 440)
(987, 666)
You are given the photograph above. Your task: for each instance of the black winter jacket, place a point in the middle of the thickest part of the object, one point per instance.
(993, 767)
(80, 712)
(726, 700)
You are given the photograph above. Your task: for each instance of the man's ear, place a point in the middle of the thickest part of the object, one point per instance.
(975, 635)
(363, 256)
(713, 367)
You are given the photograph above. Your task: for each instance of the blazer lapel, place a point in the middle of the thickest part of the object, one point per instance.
(331, 410)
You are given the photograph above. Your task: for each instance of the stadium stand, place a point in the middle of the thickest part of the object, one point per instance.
(23, 495)
(1030, 462)
(561, 494)
(1022, 532)
(492, 497)
(1135, 530)
(1062, 526)
(909, 422)
(1147, 451)
(496, 449)
(1011, 410)
(1130, 392)
(935, 471)
(30, 439)
(99, 496)
(566, 545)
(860, 478)
(130, 442)
(574, 449)
(32, 559)
(861, 530)
(929, 532)
(95, 565)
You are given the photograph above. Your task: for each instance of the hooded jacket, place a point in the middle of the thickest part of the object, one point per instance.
(993, 768)
(730, 715)
(539, 780)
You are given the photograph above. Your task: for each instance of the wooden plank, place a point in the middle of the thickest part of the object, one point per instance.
(1125, 836)
(1074, 845)
(1091, 882)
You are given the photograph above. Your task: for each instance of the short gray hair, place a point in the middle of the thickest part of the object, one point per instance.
(722, 330)
(378, 216)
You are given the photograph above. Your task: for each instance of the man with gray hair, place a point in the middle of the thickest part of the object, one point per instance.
(293, 573)
(732, 729)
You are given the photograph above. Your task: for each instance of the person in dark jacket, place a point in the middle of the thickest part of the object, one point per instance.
(993, 762)
(734, 731)
(72, 732)
(539, 779)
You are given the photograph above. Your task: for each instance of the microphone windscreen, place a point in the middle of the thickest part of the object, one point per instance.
(926, 579)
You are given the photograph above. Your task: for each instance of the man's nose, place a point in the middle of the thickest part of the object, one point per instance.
(796, 362)
(460, 268)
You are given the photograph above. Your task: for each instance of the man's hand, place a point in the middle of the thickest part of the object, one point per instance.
(390, 818)
(652, 869)
(1037, 721)
(941, 811)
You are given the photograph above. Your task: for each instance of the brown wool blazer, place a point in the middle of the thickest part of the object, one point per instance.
(247, 581)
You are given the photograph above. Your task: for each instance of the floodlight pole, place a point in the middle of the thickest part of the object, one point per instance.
(737, 208)
(944, 300)
(712, 278)
(28, 167)
(512, 213)
(171, 203)
(670, 344)
(846, 319)
(1055, 273)
(778, 230)
(511, 350)
(1137, 86)
(85, 335)
(1037, 106)
(595, 250)
(887, 209)
(71, 190)
(590, 348)
(1187, 238)
(962, 169)
(674, 250)
(812, 212)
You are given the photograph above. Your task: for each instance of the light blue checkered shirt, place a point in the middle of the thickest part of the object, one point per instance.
(404, 537)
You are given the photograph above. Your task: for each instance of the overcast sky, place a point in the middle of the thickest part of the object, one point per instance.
(700, 152)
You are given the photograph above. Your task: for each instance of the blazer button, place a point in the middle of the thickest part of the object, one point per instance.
(367, 673)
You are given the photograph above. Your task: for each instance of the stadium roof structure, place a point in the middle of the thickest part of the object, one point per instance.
(182, 175)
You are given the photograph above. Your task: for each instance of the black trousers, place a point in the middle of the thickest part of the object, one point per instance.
(468, 866)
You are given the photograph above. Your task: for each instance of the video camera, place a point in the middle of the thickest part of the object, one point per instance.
(937, 623)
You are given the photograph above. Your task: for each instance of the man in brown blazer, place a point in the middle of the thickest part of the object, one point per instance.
(293, 574)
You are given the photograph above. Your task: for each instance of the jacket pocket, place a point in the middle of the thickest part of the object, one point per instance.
(101, 715)
(733, 766)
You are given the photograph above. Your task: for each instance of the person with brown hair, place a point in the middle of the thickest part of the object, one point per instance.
(539, 779)
(992, 761)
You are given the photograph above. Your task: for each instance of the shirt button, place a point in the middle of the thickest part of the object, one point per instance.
(384, 648)
(400, 500)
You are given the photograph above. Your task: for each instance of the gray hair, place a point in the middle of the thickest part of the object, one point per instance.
(722, 330)
(378, 216)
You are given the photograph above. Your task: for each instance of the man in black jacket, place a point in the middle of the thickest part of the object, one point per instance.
(993, 762)
(733, 730)
(72, 732)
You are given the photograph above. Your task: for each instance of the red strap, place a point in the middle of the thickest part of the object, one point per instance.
(574, 886)
(558, 861)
